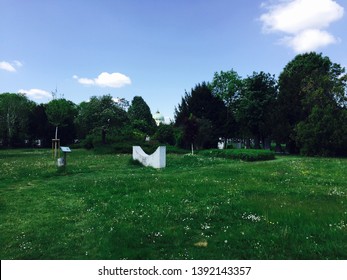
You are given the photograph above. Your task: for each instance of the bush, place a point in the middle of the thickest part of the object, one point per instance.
(88, 142)
(246, 155)
(165, 134)
(123, 144)
(175, 150)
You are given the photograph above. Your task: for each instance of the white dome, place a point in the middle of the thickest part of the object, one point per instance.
(159, 118)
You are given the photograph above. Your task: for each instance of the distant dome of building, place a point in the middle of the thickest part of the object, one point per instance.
(159, 118)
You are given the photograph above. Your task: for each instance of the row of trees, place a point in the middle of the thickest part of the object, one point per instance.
(23, 122)
(306, 109)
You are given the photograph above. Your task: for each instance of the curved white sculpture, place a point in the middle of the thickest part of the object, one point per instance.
(156, 160)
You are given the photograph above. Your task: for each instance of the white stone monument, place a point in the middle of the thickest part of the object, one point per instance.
(156, 160)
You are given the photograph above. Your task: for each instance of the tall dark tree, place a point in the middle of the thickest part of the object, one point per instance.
(39, 127)
(165, 134)
(203, 110)
(256, 107)
(140, 116)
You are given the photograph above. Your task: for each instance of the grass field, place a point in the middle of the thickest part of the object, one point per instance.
(199, 207)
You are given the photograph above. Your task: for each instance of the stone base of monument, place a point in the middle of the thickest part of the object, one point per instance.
(156, 160)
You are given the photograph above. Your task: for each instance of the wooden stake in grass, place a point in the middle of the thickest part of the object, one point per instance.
(55, 148)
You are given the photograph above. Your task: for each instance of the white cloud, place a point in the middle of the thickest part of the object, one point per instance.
(114, 80)
(85, 81)
(304, 20)
(309, 40)
(36, 94)
(10, 67)
(7, 66)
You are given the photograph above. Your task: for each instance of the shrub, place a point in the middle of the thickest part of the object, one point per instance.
(175, 150)
(246, 155)
(165, 134)
(88, 142)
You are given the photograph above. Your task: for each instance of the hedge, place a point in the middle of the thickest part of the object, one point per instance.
(241, 154)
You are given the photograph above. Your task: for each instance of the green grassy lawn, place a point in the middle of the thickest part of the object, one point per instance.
(106, 207)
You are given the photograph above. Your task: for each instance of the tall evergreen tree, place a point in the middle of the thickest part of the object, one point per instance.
(140, 116)
(201, 110)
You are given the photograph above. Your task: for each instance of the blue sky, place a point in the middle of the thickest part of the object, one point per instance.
(156, 49)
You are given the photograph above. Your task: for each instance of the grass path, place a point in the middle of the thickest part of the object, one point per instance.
(105, 207)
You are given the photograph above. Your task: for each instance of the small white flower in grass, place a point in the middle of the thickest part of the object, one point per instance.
(186, 228)
(205, 226)
(251, 217)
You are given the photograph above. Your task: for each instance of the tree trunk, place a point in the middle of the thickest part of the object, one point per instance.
(248, 143)
(257, 142)
(103, 135)
(267, 144)
(56, 143)
(278, 148)
(9, 131)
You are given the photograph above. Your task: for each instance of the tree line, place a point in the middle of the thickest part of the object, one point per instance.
(101, 119)
(305, 110)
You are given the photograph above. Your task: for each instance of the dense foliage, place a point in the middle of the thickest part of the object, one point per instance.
(140, 116)
(14, 118)
(201, 117)
(312, 105)
(305, 110)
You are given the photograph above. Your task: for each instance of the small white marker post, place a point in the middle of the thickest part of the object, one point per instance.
(65, 150)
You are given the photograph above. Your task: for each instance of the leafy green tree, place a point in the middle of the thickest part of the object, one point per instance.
(227, 85)
(100, 115)
(256, 107)
(308, 81)
(324, 132)
(140, 116)
(165, 134)
(14, 118)
(61, 113)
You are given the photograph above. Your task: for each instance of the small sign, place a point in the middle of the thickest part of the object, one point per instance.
(65, 149)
